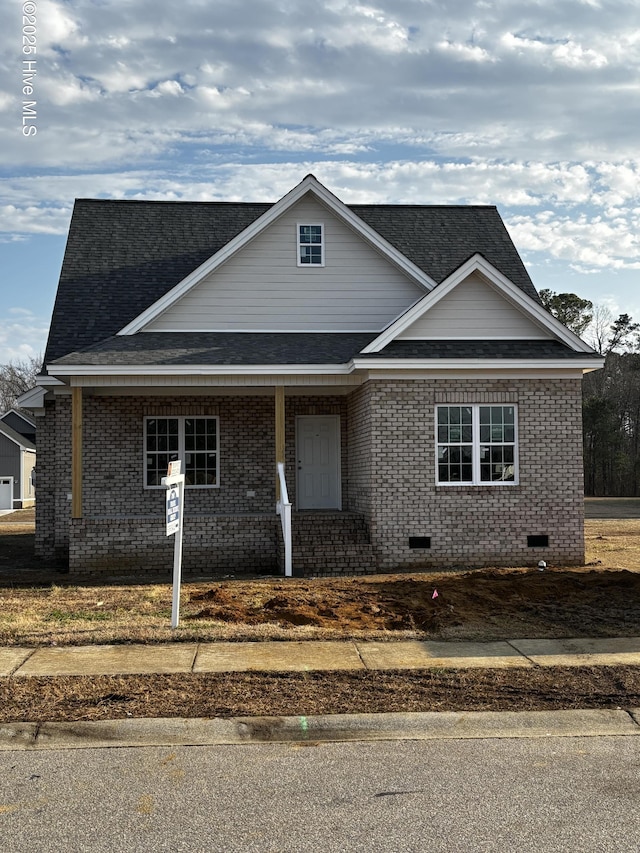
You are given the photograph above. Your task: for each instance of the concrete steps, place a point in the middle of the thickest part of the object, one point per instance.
(335, 543)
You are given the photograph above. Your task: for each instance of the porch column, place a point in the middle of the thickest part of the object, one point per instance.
(280, 445)
(76, 452)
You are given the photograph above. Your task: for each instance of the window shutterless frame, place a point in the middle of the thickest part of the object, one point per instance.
(195, 440)
(310, 244)
(476, 444)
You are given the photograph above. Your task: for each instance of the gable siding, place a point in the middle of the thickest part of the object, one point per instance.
(473, 310)
(262, 288)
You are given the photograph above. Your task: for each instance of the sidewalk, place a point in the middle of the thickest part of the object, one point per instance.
(306, 656)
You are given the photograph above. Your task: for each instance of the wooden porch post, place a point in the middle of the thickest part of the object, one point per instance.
(76, 452)
(280, 445)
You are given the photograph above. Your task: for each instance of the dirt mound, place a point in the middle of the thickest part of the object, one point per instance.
(558, 602)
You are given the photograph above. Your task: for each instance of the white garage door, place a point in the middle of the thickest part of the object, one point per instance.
(6, 492)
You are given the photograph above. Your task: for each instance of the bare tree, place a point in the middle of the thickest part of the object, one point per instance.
(16, 377)
(599, 328)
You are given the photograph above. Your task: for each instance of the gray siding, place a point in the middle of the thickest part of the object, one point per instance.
(262, 288)
(10, 463)
(473, 309)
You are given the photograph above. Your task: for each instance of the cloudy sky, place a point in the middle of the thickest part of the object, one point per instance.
(534, 107)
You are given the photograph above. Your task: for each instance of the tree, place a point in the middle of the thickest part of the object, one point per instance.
(576, 313)
(600, 328)
(620, 332)
(15, 378)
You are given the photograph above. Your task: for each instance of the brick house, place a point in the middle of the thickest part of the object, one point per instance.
(395, 358)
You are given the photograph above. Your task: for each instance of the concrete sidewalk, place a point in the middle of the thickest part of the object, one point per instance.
(307, 656)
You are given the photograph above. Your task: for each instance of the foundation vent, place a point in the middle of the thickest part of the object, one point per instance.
(419, 542)
(538, 541)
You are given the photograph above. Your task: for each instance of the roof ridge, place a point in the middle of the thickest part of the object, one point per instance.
(378, 206)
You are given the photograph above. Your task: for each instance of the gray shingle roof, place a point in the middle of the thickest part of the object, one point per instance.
(250, 348)
(228, 348)
(122, 256)
(22, 440)
(470, 349)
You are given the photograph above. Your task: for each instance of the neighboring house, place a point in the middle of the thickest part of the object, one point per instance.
(395, 358)
(17, 461)
(21, 423)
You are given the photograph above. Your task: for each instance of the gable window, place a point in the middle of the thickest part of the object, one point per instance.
(310, 245)
(476, 445)
(192, 440)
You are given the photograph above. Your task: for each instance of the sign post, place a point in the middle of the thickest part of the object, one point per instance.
(174, 484)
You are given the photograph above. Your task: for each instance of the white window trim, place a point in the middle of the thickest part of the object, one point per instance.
(300, 225)
(181, 451)
(475, 447)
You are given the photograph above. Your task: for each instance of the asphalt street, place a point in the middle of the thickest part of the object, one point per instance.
(446, 796)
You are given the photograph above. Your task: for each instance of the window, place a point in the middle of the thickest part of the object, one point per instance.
(310, 246)
(193, 440)
(476, 445)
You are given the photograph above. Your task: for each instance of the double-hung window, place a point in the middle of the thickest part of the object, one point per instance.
(310, 245)
(476, 445)
(193, 440)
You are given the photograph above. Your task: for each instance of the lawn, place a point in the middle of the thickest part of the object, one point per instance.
(599, 599)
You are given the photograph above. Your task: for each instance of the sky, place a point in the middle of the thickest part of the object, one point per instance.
(533, 107)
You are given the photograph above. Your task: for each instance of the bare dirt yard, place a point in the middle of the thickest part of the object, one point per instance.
(39, 606)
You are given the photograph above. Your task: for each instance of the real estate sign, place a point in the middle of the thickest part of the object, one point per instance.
(174, 509)
(174, 484)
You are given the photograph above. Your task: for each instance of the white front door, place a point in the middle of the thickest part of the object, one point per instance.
(318, 458)
(6, 492)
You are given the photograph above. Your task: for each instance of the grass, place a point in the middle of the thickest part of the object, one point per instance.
(64, 614)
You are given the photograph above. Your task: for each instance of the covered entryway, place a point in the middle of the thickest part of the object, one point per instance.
(6, 492)
(318, 462)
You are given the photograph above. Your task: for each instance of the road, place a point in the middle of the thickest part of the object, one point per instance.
(546, 794)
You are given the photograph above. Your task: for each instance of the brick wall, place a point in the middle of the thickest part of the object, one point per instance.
(476, 525)
(359, 449)
(53, 480)
(213, 545)
(388, 476)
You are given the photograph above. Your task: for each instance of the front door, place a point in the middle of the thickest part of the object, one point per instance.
(318, 458)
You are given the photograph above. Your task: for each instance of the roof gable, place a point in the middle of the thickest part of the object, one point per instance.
(123, 256)
(22, 442)
(471, 305)
(425, 319)
(262, 287)
(19, 421)
(302, 198)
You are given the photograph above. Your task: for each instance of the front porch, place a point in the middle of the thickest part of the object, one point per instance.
(117, 451)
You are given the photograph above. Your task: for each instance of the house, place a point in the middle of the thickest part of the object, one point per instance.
(396, 359)
(17, 460)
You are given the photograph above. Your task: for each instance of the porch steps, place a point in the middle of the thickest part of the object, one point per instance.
(331, 543)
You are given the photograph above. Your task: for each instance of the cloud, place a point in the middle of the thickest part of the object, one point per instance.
(585, 214)
(23, 336)
(568, 52)
(527, 106)
(504, 80)
(588, 243)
